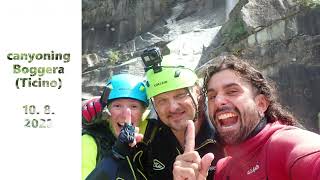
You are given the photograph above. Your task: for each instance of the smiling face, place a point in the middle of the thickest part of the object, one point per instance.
(118, 109)
(175, 108)
(234, 107)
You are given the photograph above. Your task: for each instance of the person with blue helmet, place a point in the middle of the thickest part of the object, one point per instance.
(123, 101)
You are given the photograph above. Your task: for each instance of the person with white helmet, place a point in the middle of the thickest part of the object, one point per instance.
(126, 101)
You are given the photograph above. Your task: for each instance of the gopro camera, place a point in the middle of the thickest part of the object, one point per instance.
(152, 58)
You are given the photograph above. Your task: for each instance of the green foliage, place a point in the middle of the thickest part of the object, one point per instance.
(114, 56)
(237, 51)
(164, 4)
(236, 31)
(309, 3)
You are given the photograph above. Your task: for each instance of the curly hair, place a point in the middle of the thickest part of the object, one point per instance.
(275, 111)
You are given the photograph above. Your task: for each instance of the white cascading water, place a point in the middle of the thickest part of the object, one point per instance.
(230, 4)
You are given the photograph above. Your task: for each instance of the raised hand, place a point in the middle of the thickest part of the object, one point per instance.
(91, 111)
(130, 131)
(189, 165)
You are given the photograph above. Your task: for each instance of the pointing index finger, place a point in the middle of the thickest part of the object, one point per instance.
(127, 116)
(189, 137)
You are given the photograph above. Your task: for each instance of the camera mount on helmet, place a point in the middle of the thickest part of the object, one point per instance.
(152, 59)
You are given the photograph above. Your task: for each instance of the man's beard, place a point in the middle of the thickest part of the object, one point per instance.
(240, 135)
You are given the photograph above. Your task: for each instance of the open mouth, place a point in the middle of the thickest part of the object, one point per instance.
(120, 125)
(227, 120)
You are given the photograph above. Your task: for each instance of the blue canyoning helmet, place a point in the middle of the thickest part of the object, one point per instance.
(125, 86)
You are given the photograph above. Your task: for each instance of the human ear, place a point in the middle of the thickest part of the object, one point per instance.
(262, 103)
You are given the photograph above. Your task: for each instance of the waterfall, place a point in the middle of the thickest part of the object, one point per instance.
(230, 4)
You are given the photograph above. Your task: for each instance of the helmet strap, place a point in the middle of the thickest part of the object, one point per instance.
(195, 105)
(154, 107)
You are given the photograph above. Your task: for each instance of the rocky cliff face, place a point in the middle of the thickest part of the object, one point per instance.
(281, 36)
(108, 23)
(181, 28)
